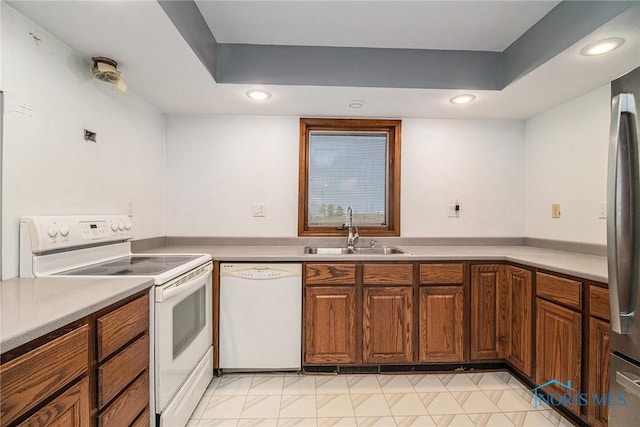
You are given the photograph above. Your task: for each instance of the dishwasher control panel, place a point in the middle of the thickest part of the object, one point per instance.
(260, 271)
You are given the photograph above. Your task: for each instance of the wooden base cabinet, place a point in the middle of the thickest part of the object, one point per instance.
(558, 345)
(88, 373)
(33, 378)
(123, 364)
(501, 315)
(441, 324)
(358, 313)
(329, 317)
(598, 358)
(441, 334)
(70, 409)
(487, 312)
(329, 325)
(598, 369)
(518, 327)
(387, 325)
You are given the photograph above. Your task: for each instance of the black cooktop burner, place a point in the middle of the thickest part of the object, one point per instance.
(134, 265)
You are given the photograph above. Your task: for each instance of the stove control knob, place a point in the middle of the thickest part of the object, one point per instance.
(121, 226)
(53, 230)
(128, 226)
(114, 226)
(64, 230)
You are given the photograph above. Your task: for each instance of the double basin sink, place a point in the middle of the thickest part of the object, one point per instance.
(382, 250)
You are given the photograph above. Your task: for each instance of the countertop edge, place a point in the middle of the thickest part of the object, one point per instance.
(583, 266)
(11, 342)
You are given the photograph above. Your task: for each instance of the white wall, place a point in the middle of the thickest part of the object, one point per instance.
(566, 163)
(478, 162)
(217, 166)
(48, 167)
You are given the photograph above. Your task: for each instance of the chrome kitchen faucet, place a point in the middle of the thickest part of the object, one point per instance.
(352, 237)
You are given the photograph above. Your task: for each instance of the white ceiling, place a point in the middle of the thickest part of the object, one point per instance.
(159, 65)
(448, 25)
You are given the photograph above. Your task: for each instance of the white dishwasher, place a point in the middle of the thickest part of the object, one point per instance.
(260, 317)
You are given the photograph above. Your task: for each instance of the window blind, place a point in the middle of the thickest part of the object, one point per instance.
(347, 169)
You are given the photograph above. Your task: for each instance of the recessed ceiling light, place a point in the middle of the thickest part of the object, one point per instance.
(602, 46)
(259, 95)
(356, 104)
(462, 99)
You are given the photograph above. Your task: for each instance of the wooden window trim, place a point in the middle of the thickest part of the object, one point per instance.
(393, 127)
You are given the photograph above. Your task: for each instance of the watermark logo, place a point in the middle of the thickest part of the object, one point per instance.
(572, 397)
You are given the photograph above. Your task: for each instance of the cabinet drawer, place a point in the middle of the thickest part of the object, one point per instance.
(120, 370)
(558, 289)
(388, 274)
(441, 274)
(599, 302)
(126, 408)
(122, 325)
(32, 377)
(330, 274)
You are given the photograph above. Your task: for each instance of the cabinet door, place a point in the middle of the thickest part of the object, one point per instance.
(387, 325)
(519, 322)
(441, 324)
(598, 368)
(485, 285)
(329, 324)
(70, 409)
(32, 378)
(558, 344)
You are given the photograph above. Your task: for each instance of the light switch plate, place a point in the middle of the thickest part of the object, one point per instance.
(603, 210)
(555, 210)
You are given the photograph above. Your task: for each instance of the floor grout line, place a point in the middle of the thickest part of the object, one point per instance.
(351, 391)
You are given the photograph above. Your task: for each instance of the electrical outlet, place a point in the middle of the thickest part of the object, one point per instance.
(555, 210)
(130, 209)
(257, 210)
(453, 211)
(603, 210)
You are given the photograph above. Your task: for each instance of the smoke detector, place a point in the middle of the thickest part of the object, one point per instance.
(106, 70)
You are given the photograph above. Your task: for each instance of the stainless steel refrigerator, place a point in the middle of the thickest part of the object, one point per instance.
(623, 250)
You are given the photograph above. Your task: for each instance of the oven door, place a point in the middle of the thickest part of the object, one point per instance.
(183, 330)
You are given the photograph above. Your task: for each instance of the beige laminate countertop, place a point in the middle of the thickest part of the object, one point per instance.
(31, 308)
(588, 267)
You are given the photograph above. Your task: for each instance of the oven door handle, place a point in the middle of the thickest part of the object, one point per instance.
(181, 286)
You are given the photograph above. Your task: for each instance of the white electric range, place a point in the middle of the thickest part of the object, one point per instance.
(181, 301)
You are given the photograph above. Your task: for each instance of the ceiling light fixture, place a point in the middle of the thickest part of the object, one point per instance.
(602, 46)
(258, 95)
(462, 99)
(356, 104)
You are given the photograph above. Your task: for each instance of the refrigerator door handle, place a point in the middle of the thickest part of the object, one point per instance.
(629, 381)
(623, 205)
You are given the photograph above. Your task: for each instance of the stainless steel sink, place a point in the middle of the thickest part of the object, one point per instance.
(382, 250)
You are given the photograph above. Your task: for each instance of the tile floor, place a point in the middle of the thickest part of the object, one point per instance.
(493, 399)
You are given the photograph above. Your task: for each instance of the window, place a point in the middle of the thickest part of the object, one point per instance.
(349, 163)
